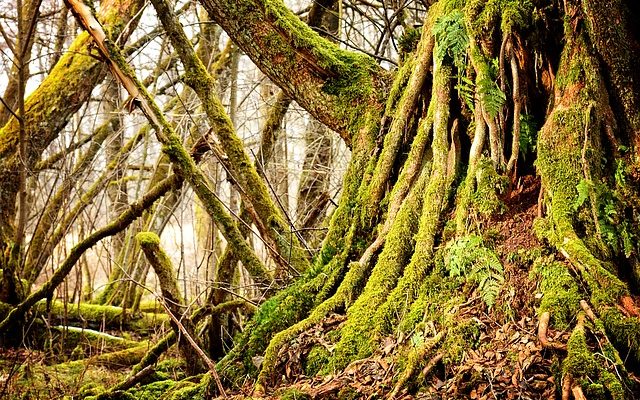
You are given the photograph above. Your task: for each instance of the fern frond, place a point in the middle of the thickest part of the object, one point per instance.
(468, 257)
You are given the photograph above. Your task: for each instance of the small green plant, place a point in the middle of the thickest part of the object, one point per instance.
(452, 39)
(528, 135)
(409, 40)
(491, 96)
(583, 187)
(615, 232)
(468, 257)
(466, 90)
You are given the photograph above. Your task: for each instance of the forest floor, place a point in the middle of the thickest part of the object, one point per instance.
(507, 362)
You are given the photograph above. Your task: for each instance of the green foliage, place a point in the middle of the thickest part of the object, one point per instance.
(491, 96)
(409, 40)
(468, 257)
(583, 187)
(616, 233)
(452, 39)
(528, 135)
(453, 42)
(417, 340)
(466, 90)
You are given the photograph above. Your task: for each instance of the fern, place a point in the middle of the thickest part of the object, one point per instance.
(452, 39)
(528, 135)
(466, 90)
(583, 188)
(620, 176)
(468, 257)
(491, 96)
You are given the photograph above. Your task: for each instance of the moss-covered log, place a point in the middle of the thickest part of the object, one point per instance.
(100, 317)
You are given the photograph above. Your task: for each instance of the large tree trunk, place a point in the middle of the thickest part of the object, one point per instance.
(387, 272)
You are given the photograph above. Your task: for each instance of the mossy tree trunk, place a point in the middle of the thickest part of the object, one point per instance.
(462, 103)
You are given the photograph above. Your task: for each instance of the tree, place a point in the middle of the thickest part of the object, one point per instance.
(501, 155)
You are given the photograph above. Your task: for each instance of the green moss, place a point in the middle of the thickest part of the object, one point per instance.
(593, 375)
(98, 316)
(154, 390)
(350, 74)
(611, 382)
(148, 238)
(623, 331)
(488, 185)
(516, 15)
(293, 394)
(196, 387)
(317, 358)
(429, 305)
(116, 395)
(511, 15)
(580, 360)
(560, 293)
(462, 336)
(77, 378)
(395, 255)
(87, 342)
(483, 16)
(581, 91)
(595, 391)
(171, 368)
(408, 41)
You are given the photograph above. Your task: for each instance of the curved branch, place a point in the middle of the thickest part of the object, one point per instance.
(324, 79)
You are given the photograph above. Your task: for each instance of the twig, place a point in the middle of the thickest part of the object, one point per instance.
(133, 379)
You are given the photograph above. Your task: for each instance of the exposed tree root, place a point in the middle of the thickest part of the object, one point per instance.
(543, 326)
(415, 358)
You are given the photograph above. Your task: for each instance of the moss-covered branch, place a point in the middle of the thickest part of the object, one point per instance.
(162, 265)
(285, 248)
(99, 317)
(334, 85)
